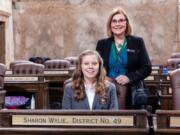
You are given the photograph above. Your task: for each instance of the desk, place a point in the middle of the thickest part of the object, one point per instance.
(42, 85)
(55, 79)
(159, 85)
(59, 75)
(168, 122)
(2, 98)
(36, 122)
(31, 83)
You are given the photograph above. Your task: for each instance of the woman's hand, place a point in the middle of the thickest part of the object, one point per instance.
(122, 79)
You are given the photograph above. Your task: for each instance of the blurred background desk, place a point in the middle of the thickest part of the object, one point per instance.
(28, 85)
(55, 80)
(168, 122)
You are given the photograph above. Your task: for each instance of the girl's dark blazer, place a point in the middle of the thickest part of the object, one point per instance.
(138, 66)
(69, 102)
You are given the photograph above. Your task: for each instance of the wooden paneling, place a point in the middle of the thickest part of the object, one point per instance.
(168, 122)
(2, 42)
(139, 126)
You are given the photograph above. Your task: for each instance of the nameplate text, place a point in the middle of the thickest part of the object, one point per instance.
(168, 78)
(20, 78)
(54, 72)
(154, 72)
(155, 67)
(9, 72)
(150, 78)
(174, 122)
(72, 120)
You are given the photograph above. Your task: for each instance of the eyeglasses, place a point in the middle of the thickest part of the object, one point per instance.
(118, 21)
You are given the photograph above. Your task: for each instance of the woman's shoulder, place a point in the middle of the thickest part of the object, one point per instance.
(135, 42)
(132, 37)
(105, 39)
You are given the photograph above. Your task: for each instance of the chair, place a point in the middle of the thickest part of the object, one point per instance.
(2, 98)
(72, 60)
(2, 91)
(28, 68)
(57, 64)
(121, 95)
(21, 97)
(18, 62)
(2, 73)
(175, 83)
(55, 90)
(175, 55)
(173, 62)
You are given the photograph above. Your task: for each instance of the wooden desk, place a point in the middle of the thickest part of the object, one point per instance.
(156, 69)
(2, 98)
(73, 122)
(159, 84)
(42, 87)
(55, 79)
(168, 122)
(31, 83)
(58, 75)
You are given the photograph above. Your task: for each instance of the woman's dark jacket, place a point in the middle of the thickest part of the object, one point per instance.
(138, 66)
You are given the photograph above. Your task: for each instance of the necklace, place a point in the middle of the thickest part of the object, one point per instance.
(120, 45)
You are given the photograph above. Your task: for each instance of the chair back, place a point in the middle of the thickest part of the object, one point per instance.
(2, 73)
(175, 83)
(28, 68)
(57, 64)
(175, 55)
(72, 60)
(173, 62)
(18, 62)
(2, 98)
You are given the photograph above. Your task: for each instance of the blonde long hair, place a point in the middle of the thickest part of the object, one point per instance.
(78, 79)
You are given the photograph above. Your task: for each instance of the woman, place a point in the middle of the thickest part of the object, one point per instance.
(89, 88)
(125, 57)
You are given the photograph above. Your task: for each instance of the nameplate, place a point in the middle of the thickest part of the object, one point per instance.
(72, 67)
(20, 78)
(170, 90)
(174, 122)
(72, 120)
(155, 67)
(56, 72)
(154, 72)
(1, 98)
(150, 78)
(168, 78)
(8, 72)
